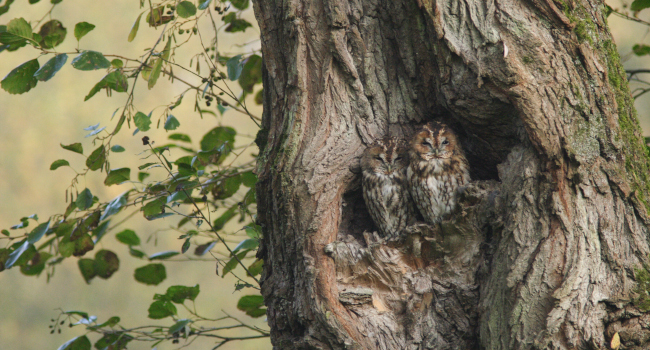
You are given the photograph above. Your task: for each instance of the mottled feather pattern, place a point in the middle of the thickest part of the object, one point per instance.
(400, 179)
(384, 186)
(437, 169)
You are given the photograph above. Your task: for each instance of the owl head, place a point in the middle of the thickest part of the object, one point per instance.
(385, 157)
(434, 141)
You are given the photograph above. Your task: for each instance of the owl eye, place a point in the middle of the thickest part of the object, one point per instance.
(426, 143)
(379, 158)
(398, 158)
(445, 142)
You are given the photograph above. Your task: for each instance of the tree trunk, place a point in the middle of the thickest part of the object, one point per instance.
(543, 250)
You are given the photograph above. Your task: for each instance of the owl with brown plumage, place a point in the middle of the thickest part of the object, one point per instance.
(385, 191)
(437, 169)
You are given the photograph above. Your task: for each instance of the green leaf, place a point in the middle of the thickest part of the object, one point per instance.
(134, 29)
(66, 248)
(117, 63)
(4, 255)
(86, 225)
(111, 322)
(167, 51)
(228, 187)
(221, 221)
(100, 231)
(20, 27)
(58, 163)
(151, 274)
(239, 4)
(83, 245)
(163, 255)
(81, 29)
(117, 176)
(146, 165)
(259, 97)
(247, 244)
(251, 73)
(253, 231)
(113, 341)
(38, 232)
(232, 263)
(249, 179)
(234, 67)
(638, 5)
(238, 25)
(17, 33)
(87, 268)
(50, 68)
(65, 228)
(178, 326)
(142, 121)
(161, 309)
(180, 137)
(96, 160)
(23, 223)
(172, 123)
(21, 79)
(78, 343)
(186, 246)
(117, 149)
(177, 103)
(186, 9)
(6, 233)
(52, 34)
(178, 294)
(84, 200)
(256, 267)
(231, 16)
(142, 176)
(252, 305)
(74, 147)
(114, 206)
(90, 60)
(204, 4)
(136, 253)
(128, 237)
(114, 80)
(36, 264)
(154, 207)
(157, 17)
(216, 137)
(155, 72)
(106, 263)
(641, 50)
(13, 257)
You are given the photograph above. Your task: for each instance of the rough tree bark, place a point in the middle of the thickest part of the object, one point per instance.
(543, 249)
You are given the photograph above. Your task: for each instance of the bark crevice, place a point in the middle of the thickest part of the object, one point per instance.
(540, 103)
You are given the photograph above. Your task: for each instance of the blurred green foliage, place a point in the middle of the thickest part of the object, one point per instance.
(194, 184)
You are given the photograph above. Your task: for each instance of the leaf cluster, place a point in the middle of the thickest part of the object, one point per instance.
(200, 179)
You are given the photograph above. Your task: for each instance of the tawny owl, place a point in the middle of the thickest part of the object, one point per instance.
(437, 169)
(385, 192)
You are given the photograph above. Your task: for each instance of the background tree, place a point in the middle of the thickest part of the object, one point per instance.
(550, 241)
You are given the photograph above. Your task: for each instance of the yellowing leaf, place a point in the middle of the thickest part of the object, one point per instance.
(616, 341)
(134, 29)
